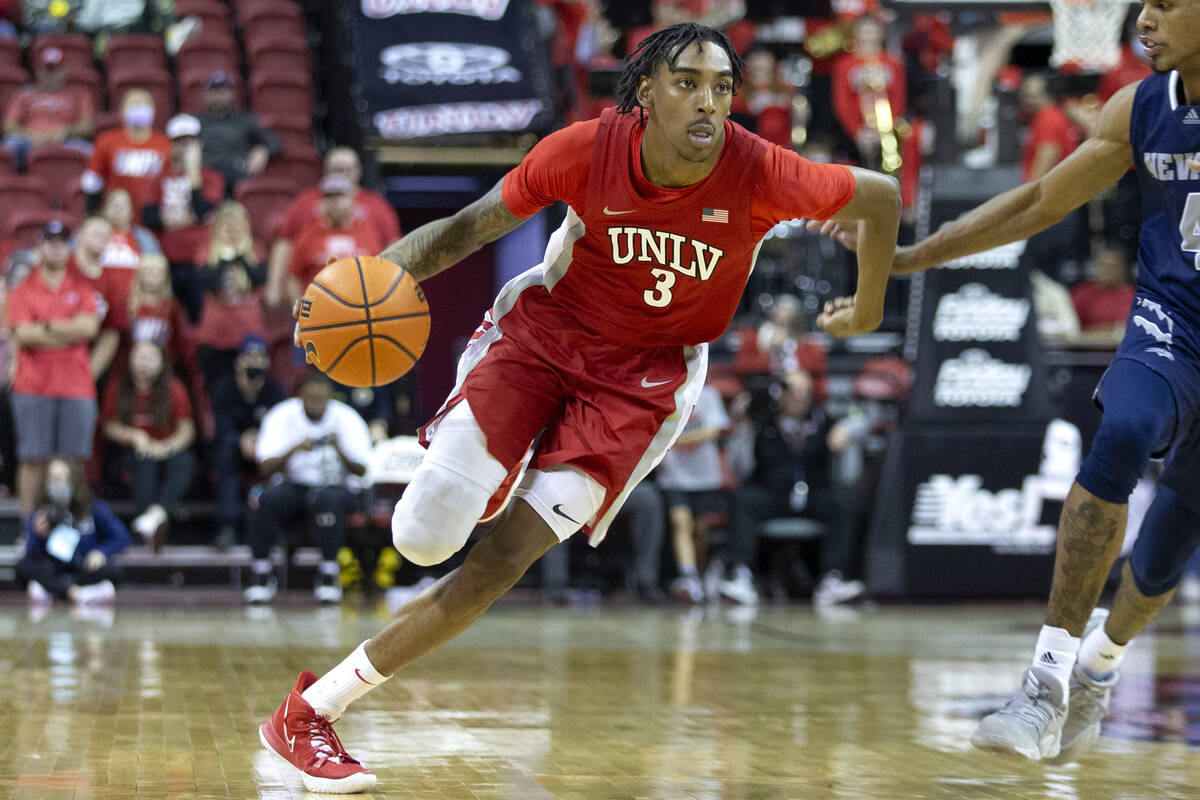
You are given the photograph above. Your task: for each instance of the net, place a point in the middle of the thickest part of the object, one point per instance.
(1087, 33)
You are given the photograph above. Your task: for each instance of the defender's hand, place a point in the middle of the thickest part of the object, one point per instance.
(842, 318)
(845, 233)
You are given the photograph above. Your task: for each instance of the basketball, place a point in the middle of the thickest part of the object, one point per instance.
(363, 321)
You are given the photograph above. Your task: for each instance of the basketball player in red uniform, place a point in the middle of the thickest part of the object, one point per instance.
(601, 348)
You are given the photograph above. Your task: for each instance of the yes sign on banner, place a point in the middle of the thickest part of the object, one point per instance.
(426, 68)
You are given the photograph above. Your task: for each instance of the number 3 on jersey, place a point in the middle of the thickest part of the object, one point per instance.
(1189, 226)
(660, 296)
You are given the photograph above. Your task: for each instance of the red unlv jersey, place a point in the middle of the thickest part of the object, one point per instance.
(644, 264)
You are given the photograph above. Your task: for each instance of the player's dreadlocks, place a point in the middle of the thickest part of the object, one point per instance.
(664, 47)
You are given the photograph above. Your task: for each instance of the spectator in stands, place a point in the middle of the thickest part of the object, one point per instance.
(643, 517)
(336, 235)
(765, 98)
(179, 208)
(131, 157)
(861, 77)
(147, 412)
(53, 317)
(71, 540)
(234, 142)
(49, 112)
(239, 401)
(780, 332)
(1103, 302)
(150, 312)
(690, 477)
(305, 210)
(1056, 317)
(87, 259)
(1052, 135)
(780, 451)
(119, 264)
(374, 404)
(663, 14)
(229, 273)
(47, 16)
(311, 450)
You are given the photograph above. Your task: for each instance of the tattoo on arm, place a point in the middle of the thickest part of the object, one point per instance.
(442, 243)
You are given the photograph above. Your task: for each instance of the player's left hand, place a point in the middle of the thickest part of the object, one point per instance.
(843, 318)
(296, 329)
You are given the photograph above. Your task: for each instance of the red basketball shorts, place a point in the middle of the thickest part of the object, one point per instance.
(535, 376)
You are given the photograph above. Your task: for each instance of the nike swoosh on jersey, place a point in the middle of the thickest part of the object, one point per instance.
(615, 213)
(558, 510)
(651, 384)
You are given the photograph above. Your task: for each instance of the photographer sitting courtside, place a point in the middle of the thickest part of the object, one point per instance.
(311, 451)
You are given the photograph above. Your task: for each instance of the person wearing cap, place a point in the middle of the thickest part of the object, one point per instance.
(240, 400)
(306, 209)
(53, 317)
(181, 205)
(234, 142)
(336, 235)
(49, 111)
(131, 157)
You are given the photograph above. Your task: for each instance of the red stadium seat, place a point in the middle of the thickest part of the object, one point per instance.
(206, 53)
(302, 166)
(278, 54)
(8, 163)
(76, 47)
(75, 202)
(25, 224)
(59, 167)
(265, 198)
(296, 133)
(191, 90)
(275, 94)
(131, 51)
(107, 120)
(159, 84)
(214, 16)
(279, 18)
(10, 52)
(12, 80)
(21, 192)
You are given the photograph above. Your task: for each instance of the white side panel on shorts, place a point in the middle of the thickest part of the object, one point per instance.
(685, 400)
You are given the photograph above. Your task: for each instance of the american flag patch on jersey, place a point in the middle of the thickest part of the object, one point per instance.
(714, 215)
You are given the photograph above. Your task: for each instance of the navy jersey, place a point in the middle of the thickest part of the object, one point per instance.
(1165, 135)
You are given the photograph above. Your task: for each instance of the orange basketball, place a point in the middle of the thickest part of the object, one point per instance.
(363, 321)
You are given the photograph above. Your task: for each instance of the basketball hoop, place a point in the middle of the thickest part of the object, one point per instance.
(1087, 33)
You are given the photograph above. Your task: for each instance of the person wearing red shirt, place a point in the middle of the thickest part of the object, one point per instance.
(53, 317)
(1103, 303)
(305, 210)
(594, 356)
(87, 257)
(337, 235)
(131, 157)
(1130, 67)
(180, 206)
(49, 112)
(148, 412)
(861, 75)
(1051, 134)
(150, 313)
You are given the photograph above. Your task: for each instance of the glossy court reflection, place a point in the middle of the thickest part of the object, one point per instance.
(547, 703)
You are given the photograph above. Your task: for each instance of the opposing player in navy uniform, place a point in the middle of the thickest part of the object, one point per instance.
(1149, 395)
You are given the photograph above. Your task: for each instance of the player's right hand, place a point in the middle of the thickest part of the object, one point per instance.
(296, 329)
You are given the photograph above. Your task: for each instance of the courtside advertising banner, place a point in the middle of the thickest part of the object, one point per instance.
(433, 68)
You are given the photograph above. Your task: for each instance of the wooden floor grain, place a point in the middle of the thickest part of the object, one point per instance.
(605, 704)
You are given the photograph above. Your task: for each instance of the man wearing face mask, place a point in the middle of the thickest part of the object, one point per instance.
(130, 158)
(70, 541)
(239, 403)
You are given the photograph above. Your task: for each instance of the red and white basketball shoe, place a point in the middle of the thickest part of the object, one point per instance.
(306, 740)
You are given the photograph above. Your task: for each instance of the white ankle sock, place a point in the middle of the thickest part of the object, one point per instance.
(1055, 654)
(342, 685)
(1100, 655)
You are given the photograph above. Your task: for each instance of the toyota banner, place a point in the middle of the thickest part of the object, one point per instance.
(435, 68)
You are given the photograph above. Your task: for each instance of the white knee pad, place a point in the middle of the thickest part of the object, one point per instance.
(565, 497)
(449, 491)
